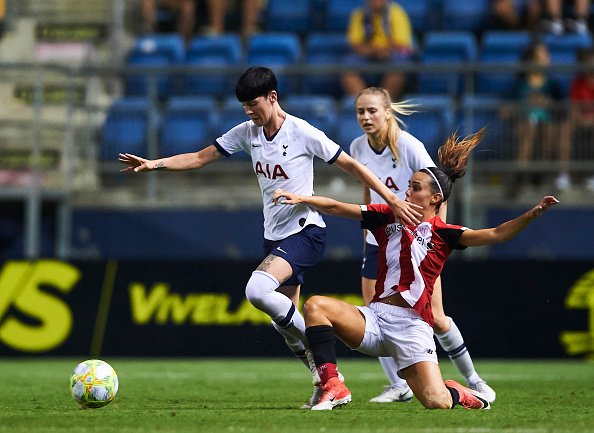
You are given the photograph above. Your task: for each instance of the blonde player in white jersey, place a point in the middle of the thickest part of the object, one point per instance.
(282, 148)
(394, 155)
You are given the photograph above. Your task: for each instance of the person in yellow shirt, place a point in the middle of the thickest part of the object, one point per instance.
(378, 33)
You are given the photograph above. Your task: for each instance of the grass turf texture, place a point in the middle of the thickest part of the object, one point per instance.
(264, 395)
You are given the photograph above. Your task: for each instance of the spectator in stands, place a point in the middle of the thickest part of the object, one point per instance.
(248, 9)
(184, 12)
(581, 114)
(378, 33)
(554, 23)
(514, 15)
(536, 92)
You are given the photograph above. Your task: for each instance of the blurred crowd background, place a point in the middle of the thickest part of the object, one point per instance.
(82, 80)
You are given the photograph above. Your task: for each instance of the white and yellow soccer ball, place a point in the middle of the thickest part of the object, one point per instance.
(93, 383)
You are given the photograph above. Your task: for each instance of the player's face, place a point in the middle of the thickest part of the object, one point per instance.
(419, 191)
(371, 114)
(260, 109)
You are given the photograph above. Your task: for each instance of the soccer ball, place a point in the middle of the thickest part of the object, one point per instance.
(93, 383)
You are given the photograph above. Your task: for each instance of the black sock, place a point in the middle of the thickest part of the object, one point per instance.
(455, 396)
(322, 343)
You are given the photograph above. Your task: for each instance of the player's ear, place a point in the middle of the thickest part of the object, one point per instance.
(273, 96)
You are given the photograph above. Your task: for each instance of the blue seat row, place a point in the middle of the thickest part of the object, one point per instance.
(189, 123)
(301, 16)
(278, 49)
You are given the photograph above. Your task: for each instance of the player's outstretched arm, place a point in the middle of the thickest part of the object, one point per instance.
(322, 204)
(182, 161)
(405, 211)
(507, 230)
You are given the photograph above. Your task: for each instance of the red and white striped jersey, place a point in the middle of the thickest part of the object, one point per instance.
(410, 258)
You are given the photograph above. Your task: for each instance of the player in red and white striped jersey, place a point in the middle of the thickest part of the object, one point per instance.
(397, 323)
(393, 155)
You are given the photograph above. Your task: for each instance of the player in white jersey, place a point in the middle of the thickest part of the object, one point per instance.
(394, 155)
(282, 148)
(398, 321)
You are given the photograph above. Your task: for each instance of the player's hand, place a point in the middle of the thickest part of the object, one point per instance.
(408, 213)
(544, 204)
(133, 162)
(285, 197)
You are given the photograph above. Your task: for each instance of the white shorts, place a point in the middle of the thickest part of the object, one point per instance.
(397, 332)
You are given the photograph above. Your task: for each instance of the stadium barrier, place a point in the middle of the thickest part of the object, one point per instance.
(523, 309)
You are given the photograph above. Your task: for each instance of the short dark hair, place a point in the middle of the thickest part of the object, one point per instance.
(256, 81)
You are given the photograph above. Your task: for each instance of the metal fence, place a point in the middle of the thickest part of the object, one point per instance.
(51, 137)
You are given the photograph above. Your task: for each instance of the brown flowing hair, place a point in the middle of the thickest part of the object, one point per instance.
(389, 136)
(453, 158)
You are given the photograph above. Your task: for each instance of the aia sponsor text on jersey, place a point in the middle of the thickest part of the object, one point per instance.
(270, 171)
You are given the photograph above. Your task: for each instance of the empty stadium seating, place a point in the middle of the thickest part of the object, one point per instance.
(126, 128)
(433, 120)
(318, 110)
(214, 51)
(324, 49)
(188, 124)
(441, 48)
(500, 49)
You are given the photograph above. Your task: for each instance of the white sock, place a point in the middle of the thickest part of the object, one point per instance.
(261, 292)
(293, 336)
(453, 343)
(391, 370)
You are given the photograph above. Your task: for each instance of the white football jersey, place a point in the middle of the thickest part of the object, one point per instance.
(284, 162)
(394, 174)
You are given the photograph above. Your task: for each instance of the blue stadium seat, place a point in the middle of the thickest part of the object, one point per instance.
(188, 124)
(338, 13)
(434, 120)
(289, 16)
(445, 48)
(478, 111)
(501, 48)
(155, 51)
(276, 49)
(347, 126)
(469, 15)
(324, 49)
(125, 128)
(213, 51)
(318, 110)
(420, 13)
(564, 50)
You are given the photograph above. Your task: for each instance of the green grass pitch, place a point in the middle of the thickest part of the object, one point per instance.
(264, 395)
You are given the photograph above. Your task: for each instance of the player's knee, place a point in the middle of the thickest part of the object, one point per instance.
(258, 286)
(441, 323)
(314, 306)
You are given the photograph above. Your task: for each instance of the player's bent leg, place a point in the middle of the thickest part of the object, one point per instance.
(453, 343)
(424, 378)
(345, 318)
(450, 339)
